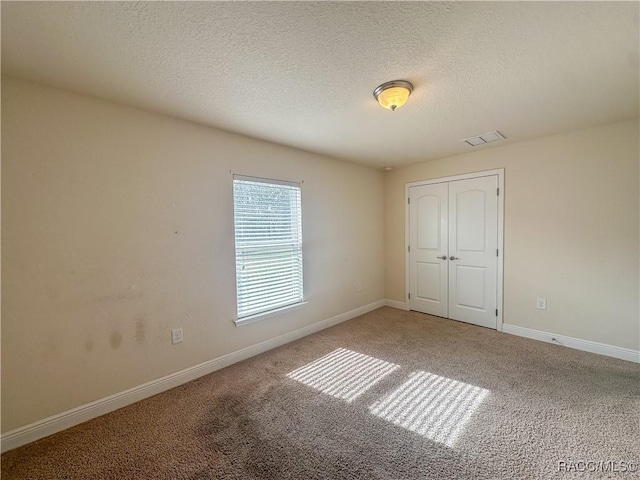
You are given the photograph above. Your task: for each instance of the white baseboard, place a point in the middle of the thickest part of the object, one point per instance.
(56, 423)
(577, 343)
(396, 304)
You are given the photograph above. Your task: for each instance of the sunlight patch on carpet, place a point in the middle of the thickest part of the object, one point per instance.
(430, 405)
(343, 373)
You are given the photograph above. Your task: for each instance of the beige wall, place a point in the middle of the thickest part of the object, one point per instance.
(571, 230)
(117, 226)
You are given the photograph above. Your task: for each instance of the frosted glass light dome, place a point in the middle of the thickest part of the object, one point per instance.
(392, 95)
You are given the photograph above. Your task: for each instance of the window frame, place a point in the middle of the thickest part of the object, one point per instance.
(251, 318)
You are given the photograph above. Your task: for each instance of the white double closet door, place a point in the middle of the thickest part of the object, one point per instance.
(453, 249)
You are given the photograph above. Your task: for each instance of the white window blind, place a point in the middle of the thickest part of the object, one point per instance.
(268, 237)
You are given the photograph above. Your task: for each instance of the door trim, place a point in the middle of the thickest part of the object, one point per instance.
(499, 286)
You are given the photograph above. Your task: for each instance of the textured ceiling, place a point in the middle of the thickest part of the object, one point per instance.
(302, 73)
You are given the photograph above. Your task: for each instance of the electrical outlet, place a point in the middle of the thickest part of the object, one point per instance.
(359, 286)
(541, 303)
(176, 336)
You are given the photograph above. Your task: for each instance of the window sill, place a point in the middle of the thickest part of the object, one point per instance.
(271, 313)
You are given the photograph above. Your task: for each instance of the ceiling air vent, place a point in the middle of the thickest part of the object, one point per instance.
(484, 138)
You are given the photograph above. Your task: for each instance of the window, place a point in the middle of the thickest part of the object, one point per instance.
(268, 238)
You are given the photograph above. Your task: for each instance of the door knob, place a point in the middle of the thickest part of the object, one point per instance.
(443, 257)
(454, 258)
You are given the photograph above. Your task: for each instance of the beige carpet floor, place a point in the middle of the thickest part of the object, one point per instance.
(388, 395)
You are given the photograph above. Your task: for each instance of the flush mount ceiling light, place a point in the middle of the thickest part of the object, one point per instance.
(392, 95)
